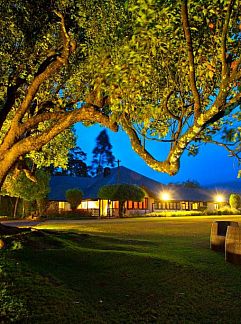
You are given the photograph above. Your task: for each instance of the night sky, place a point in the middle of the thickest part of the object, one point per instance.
(212, 164)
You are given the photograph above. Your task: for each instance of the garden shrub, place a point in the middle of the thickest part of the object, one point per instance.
(69, 214)
(178, 213)
(74, 197)
(235, 201)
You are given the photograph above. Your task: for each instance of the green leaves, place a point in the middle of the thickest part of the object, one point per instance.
(121, 192)
(23, 187)
(129, 60)
(74, 197)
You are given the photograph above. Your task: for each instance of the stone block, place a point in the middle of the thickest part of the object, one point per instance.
(218, 234)
(233, 245)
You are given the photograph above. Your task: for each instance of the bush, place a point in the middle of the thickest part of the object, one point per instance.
(178, 213)
(226, 210)
(121, 193)
(68, 214)
(74, 197)
(235, 201)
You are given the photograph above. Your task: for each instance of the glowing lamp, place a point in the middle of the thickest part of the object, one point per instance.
(219, 198)
(165, 196)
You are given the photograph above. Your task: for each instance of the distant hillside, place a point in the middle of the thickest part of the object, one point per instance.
(234, 186)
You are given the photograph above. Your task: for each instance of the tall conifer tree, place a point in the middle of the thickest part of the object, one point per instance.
(102, 154)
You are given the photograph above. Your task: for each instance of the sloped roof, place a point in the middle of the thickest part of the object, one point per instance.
(59, 185)
(231, 186)
(194, 194)
(123, 175)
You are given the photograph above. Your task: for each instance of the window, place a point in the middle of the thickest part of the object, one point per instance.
(130, 204)
(135, 205)
(116, 204)
(145, 203)
(195, 205)
(185, 205)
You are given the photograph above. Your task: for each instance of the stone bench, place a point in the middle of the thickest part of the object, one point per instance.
(233, 245)
(218, 234)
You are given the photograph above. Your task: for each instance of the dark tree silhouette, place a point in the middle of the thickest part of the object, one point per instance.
(76, 165)
(102, 154)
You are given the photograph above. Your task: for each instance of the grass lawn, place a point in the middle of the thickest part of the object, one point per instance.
(150, 270)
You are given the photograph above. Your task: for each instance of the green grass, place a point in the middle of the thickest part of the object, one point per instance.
(152, 270)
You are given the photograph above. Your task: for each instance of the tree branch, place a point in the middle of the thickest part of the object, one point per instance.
(166, 106)
(232, 152)
(225, 68)
(11, 96)
(192, 76)
(86, 113)
(163, 166)
(52, 68)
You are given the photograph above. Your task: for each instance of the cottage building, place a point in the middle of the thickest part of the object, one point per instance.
(158, 196)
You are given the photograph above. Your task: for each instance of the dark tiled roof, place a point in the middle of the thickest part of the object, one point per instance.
(232, 186)
(91, 186)
(59, 185)
(195, 194)
(123, 175)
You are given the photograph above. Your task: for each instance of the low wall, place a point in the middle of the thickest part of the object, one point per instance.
(218, 234)
(233, 245)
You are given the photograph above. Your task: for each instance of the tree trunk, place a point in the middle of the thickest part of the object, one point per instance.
(121, 208)
(3, 174)
(15, 207)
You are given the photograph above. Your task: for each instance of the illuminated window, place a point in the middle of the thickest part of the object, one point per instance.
(145, 203)
(135, 205)
(130, 204)
(195, 206)
(116, 204)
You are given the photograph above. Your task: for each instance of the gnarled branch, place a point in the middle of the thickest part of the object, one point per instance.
(225, 68)
(50, 69)
(192, 75)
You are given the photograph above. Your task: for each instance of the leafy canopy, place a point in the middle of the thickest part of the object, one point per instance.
(235, 201)
(26, 189)
(167, 71)
(121, 192)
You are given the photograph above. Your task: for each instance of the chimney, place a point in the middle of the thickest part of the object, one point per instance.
(106, 172)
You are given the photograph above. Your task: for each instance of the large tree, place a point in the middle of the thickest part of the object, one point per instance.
(163, 70)
(121, 193)
(38, 43)
(26, 189)
(102, 153)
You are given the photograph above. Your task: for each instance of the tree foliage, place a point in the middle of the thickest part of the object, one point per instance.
(74, 197)
(167, 71)
(235, 201)
(22, 187)
(187, 184)
(76, 165)
(121, 193)
(102, 153)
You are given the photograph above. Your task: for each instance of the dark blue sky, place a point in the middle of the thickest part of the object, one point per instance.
(211, 165)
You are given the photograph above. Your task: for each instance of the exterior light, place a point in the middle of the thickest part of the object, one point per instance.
(165, 196)
(219, 198)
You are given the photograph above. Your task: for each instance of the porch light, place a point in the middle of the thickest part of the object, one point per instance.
(219, 198)
(165, 195)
